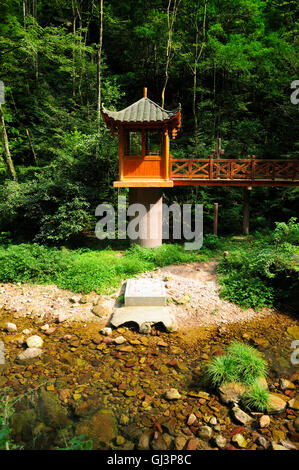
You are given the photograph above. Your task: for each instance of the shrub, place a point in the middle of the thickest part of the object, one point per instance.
(247, 292)
(242, 363)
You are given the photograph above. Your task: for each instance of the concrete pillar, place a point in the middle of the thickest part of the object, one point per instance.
(150, 226)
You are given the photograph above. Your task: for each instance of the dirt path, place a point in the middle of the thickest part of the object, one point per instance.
(192, 296)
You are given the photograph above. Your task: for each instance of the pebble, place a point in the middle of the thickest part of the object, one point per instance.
(192, 443)
(264, 421)
(239, 440)
(191, 419)
(27, 331)
(205, 432)
(180, 442)
(240, 415)
(213, 421)
(262, 442)
(11, 327)
(34, 341)
(286, 384)
(173, 394)
(119, 340)
(220, 441)
(106, 331)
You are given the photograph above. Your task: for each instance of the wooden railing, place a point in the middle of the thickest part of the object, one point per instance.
(250, 169)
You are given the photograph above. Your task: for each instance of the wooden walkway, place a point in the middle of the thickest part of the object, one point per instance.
(233, 172)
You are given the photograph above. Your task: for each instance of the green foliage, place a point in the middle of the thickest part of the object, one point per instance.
(247, 292)
(84, 270)
(256, 399)
(78, 443)
(264, 273)
(6, 411)
(242, 363)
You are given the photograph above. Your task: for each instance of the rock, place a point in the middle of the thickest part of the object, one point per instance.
(264, 421)
(294, 403)
(220, 441)
(67, 337)
(29, 355)
(11, 327)
(191, 419)
(262, 342)
(278, 435)
(192, 443)
(101, 310)
(101, 428)
(124, 420)
(144, 441)
(213, 421)
(159, 442)
(286, 384)
(263, 442)
(22, 424)
(296, 424)
(145, 328)
(50, 330)
(45, 327)
(34, 341)
(180, 442)
(276, 446)
(205, 432)
(276, 404)
(50, 411)
(262, 383)
(232, 392)
(240, 415)
(173, 394)
(120, 440)
(106, 331)
(293, 331)
(119, 340)
(239, 440)
(27, 331)
(62, 317)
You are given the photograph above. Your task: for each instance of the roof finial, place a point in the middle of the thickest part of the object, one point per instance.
(144, 92)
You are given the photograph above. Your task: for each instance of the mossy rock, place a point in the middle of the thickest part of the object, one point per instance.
(22, 424)
(51, 412)
(101, 428)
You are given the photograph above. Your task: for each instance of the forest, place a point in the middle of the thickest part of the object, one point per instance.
(232, 66)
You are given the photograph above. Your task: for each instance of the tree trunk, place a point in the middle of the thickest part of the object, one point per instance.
(99, 59)
(31, 146)
(8, 159)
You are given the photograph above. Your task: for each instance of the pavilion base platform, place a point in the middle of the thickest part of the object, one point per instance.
(144, 317)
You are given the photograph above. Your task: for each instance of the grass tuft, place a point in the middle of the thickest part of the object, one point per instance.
(242, 363)
(256, 399)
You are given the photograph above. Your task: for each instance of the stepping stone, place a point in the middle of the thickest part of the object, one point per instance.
(145, 292)
(144, 316)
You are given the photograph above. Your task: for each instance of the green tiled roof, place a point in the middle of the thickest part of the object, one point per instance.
(143, 110)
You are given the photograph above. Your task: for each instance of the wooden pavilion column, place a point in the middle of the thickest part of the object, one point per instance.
(246, 201)
(150, 226)
(166, 152)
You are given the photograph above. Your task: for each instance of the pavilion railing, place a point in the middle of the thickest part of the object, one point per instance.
(250, 169)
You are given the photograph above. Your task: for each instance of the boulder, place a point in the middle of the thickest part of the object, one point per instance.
(51, 412)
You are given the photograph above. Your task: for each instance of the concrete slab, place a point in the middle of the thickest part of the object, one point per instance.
(145, 317)
(145, 292)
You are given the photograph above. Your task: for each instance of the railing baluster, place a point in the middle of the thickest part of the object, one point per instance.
(211, 167)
